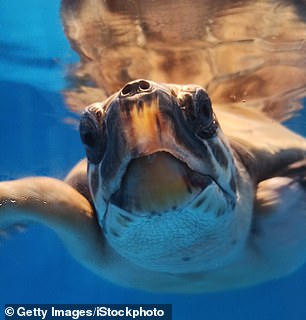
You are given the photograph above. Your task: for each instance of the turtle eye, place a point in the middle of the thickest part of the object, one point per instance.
(207, 124)
(202, 107)
(88, 132)
(198, 112)
(92, 133)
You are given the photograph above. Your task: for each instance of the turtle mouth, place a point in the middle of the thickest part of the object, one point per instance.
(158, 183)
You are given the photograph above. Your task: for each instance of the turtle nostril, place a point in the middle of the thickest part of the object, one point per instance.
(144, 85)
(135, 87)
(127, 89)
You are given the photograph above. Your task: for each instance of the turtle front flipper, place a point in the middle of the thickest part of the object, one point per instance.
(60, 207)
(279, 226)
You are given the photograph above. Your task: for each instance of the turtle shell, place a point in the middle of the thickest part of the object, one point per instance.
(243, 53)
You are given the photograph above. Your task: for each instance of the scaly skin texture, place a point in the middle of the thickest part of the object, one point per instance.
(259, 262)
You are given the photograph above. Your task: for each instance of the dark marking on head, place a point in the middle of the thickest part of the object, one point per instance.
(198, 203)
(233, 204)
(233, 184)
(94, 180)
(148, 99)
(128, 219)
(126, 106)
(99, 115)
(220, 212)
(139, 105)
(219, 155)
(158, 125)
(121, 221)
(114, 233)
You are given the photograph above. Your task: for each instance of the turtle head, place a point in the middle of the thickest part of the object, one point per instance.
(162, 175)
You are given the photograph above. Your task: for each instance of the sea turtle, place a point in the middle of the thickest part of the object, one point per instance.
(178, 195)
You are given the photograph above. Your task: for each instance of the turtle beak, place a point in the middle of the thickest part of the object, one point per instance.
(158, 183)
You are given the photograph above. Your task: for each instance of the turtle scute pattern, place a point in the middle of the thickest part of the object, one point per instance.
(249, 53)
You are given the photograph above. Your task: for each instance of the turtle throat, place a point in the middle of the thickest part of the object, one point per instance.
(157, 183)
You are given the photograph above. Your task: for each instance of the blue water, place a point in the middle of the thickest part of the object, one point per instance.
(36, 140)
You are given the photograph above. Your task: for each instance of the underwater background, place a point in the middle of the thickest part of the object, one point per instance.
(38, 136)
